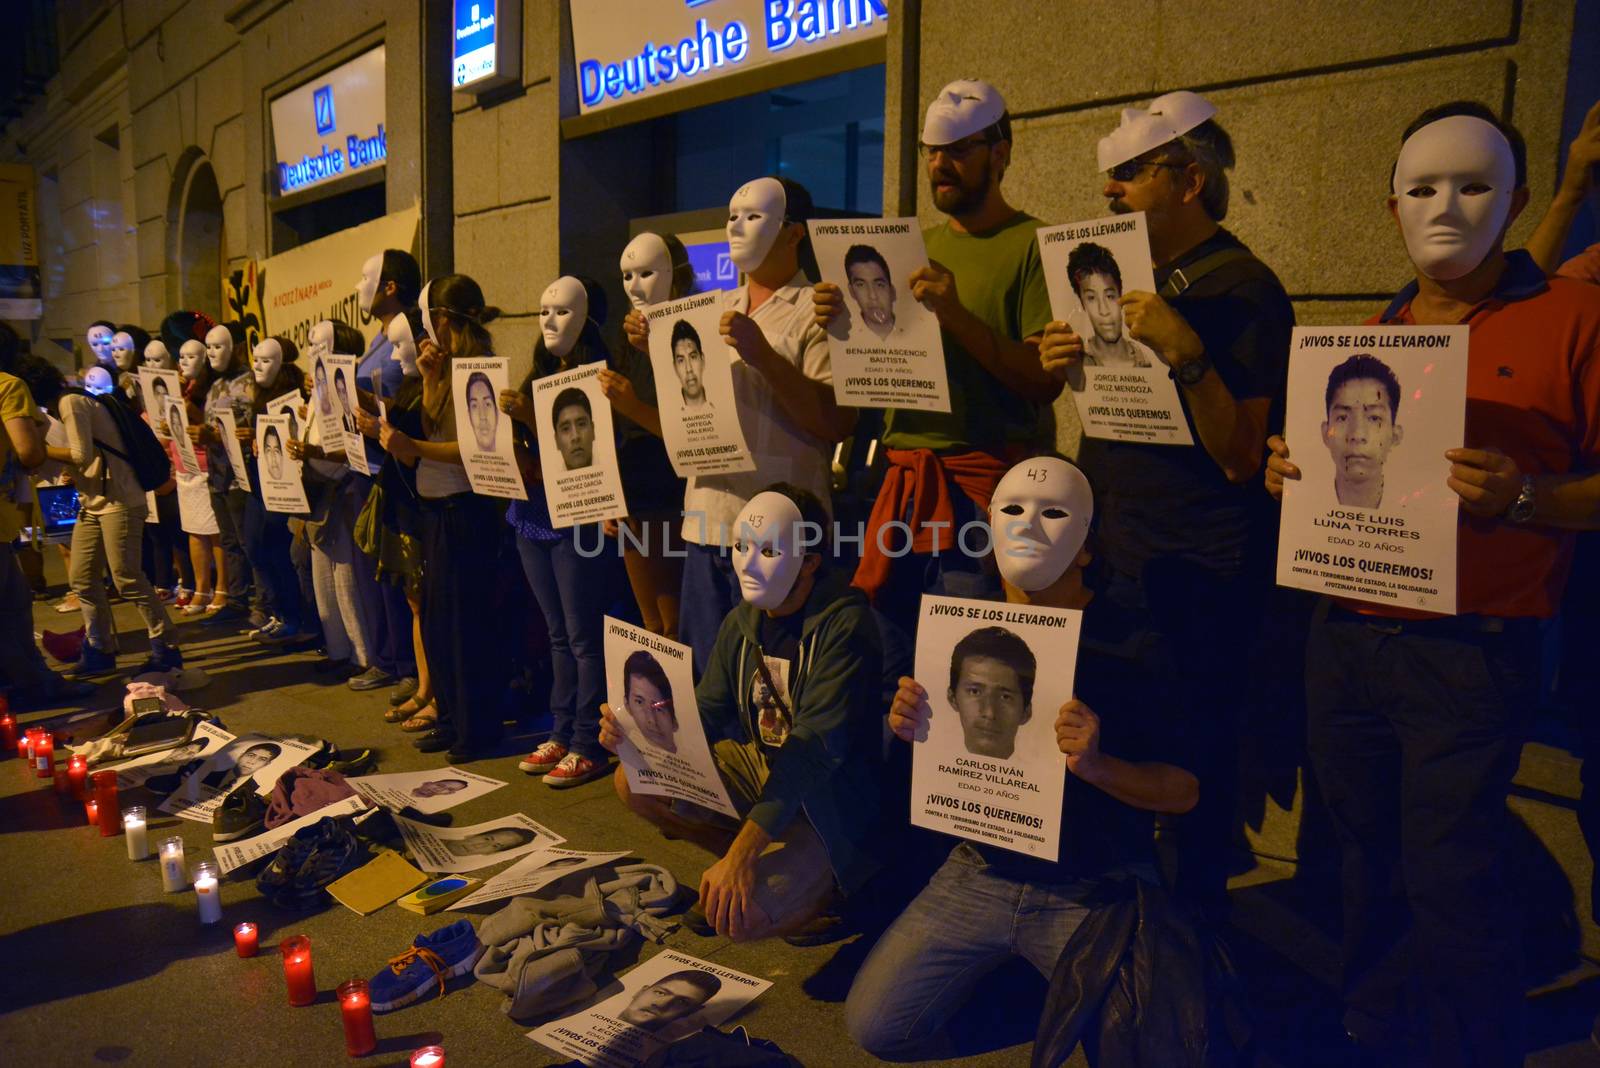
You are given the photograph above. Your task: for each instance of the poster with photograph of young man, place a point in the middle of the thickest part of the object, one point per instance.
(667, 998)
(282, 487)
(650, 688)
(694, 387)
(158, 388)
(426, 791)
(577, 447)
(251, 757)
(483, 431)
(886, 348)
(533, 873)
(463, 849)
(227, 428)
(345, 402)
(989, 769)
(178, 761)
(1123, 390)
(323, 407)
(232, 855)
(1370, 413)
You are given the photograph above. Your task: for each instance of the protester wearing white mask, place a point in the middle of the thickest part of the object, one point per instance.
(792, 690)
(1123, 741)
(782, 386)
(1427, 849)
(196, 511)
(232, 382)
(99, 338)
(156, 355)
(275, 371)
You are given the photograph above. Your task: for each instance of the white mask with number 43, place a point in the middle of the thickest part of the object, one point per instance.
(1040, 517)
(767, 549)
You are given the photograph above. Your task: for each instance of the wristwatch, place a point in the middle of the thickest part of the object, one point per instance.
(1521, 509)
(1190, 374)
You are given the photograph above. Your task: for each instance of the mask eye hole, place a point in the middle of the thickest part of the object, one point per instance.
(1011, 509)
(1420, 191)
(1477, 188)
(1055, 513)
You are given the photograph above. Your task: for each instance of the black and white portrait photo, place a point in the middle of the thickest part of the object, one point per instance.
(573, 418)
(1361, 429)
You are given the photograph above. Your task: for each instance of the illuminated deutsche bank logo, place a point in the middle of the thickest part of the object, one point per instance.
(322, 105)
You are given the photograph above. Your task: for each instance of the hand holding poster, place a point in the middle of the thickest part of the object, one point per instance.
(669, 997)
(483, 431)
(1122, 388)
(989, 769)
(650, 688)
(458, 849)
(282, 487)
(886, 348)
(425, 791)
(342, 379)
(694, 387)
(1371, 411)
(577, 447)
(228, 430)
(251, 756)
(533, 873)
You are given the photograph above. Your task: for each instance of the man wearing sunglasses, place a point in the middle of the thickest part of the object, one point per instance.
(1182, 525)
(985, 284)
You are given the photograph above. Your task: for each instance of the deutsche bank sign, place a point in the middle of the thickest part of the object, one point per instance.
(486, 49)
(625, 50)
(331, 127)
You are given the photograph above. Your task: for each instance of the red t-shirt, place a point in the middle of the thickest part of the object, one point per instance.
(1533, 392)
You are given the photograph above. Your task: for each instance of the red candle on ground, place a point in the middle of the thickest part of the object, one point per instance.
(44, 756)
(105, 796)
(359, 1039)
(91, 811)
(25, 747)
(77, 773)
(428, 1057)
(297, 972)
(246, 939)
(63, 783)
(8, 732)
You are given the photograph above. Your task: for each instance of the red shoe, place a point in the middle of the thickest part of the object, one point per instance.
(575, 770)
(543, 758)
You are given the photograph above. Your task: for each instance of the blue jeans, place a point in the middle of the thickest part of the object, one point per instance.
(965, 923)
(266, 543)
(574, 595)
(710, 592)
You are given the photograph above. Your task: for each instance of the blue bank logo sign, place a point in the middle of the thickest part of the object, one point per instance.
(473, 52)
(313, 143)
(626, 50)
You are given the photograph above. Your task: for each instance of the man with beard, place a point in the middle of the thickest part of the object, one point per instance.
(1181, 525)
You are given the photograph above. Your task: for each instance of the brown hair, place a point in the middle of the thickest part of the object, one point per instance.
(460, 297)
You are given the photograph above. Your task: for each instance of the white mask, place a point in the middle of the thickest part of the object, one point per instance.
(97, 380)
(367, 288)
(1453, 184)
(156, 355)
(405, 345)
(755, 217)
(319, 340)
(219, 348)
(767, 551)
(1040, 516)
(191, 354)
(123, 352)
(427, 314)
(99, 338)
(647, 271)
(563, 309)
(266, 361)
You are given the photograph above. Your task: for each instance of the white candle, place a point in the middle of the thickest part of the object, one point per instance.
(207, 893)
(172, 879)
(133, 827)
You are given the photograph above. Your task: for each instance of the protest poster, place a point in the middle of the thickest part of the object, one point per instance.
(158, 388)
(282, 487)
(650, 688)
(292, 404)
(342, 379)
(255, 757)
(425, 791)
(459, 849)
(667, 998)
(989, 769)
(227, 429)
(1123, 390)
(483, 431)
(577, 447)
(885, 347)
(533, 873)
(231, 855)
(329, 425)
(1370, 413)
(178, 761)
(694, 387)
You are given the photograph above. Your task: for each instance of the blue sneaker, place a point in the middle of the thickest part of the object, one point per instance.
(163, 657)
(91, 661)
(433, 958)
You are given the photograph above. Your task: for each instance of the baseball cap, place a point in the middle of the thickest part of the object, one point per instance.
(1168, 117)
(961, 109)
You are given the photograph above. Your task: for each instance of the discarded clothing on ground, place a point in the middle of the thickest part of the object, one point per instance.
(301, 791)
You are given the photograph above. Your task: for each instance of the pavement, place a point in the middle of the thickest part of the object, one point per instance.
(102, 967)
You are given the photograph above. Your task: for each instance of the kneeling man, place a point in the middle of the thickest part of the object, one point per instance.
(791, 708)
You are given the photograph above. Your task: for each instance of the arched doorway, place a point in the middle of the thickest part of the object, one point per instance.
(194, 237)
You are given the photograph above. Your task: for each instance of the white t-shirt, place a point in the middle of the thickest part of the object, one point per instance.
(435, 479)
(783, 452)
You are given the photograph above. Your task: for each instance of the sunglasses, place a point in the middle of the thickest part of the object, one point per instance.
(1128, 171)
(958, 150)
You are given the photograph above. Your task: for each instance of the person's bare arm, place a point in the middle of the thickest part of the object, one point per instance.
(1015, 363)
(808, 402)
(26, 441)
(1152, 786)
(1577, 182)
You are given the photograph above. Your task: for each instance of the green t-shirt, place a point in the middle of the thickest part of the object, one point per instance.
(1001, 281)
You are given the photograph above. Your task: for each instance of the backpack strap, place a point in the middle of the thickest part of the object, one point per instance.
(1183, 277)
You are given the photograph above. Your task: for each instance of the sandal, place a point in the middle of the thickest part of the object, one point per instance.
(424, 720)
(405, 710)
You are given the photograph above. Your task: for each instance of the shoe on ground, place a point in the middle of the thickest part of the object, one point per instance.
(436, 740)
(198, 604)
(182, 597)
(351, 763)
(543, 759)
(825, 928)
(403, 692)
(371, 679)
(162, 657)
(263, 628)
(575, 770)
(330, 666)
(280, 872)
(69, 603)
(241, 814)
(91, 662)
(432, 960)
